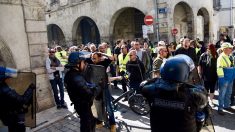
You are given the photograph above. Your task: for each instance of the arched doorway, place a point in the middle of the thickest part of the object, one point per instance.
(85, 31)
(127, 24)
(203, 23)
(183, 20)
(55, 35)
(6, 58)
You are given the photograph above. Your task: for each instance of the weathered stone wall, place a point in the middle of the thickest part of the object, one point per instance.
(37, 41)
(23, 42)
(195, 6)
(104, 13)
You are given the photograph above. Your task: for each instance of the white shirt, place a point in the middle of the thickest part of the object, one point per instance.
(51, 71)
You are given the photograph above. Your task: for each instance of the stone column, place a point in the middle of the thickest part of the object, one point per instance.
(35, 26)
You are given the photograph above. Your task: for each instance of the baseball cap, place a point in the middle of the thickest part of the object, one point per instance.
(226, 45)
(161, 43)
(182, 39)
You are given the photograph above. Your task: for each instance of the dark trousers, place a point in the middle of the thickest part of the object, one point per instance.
(87, 119)
(113, 73)
(123, 82)
(135, 86)
(233, 94)
(109, 108)
(54, 83)
(15, 123)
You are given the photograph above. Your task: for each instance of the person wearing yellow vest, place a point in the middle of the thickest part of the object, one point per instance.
(61, 55)
(107, 48)
(225, 73)
(123, 58)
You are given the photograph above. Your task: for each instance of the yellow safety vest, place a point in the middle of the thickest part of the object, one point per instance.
(122, 62)
(197, 50)
(108, 52)
(222, 62)
(59, 56)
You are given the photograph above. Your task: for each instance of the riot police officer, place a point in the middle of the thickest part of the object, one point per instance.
(81, 93)
(12, 112)
(175, 105)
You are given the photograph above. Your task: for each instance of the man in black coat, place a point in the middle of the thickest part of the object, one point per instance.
(187, 50)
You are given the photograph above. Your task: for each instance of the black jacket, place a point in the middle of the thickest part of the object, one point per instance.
(135, 70)
(12, 103)
(189, 52)
(77, 87)
(172, 110)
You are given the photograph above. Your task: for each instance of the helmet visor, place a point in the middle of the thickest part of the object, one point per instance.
(6, 72)
(188, 60)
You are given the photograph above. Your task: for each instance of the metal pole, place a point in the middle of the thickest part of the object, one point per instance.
(156, 18)
(231, 12)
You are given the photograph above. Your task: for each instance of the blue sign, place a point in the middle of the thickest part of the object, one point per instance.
(162, 10)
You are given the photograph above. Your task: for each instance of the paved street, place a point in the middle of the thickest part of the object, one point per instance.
(71, 123)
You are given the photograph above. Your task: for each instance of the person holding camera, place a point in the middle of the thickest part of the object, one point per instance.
(12, 112)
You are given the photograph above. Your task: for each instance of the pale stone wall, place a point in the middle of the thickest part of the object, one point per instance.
(102, 12)
(228, 17)
(13, 33)
(37, 41)
(195, 6)
(23, 42)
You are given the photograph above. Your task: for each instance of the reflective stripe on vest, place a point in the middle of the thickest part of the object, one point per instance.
(122, 62)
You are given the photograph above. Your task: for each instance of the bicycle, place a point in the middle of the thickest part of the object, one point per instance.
(137, 102)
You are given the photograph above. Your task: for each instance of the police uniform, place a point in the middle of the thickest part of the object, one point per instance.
(12, 112)
(81, 93)
(174, 105)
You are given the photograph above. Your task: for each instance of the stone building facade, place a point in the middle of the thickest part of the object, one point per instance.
(23, 42)
(226, 11)
(109, 20)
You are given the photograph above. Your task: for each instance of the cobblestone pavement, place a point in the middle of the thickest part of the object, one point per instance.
(71, 123)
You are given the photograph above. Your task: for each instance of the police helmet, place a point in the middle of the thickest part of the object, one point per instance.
(6, 72)
(76, 57)
(177, 68)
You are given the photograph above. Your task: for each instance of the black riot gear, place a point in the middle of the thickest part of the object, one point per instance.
(177, 68)
(12, 112)
(81, 93)
(6, 72)
(175, 106)
(76, 57)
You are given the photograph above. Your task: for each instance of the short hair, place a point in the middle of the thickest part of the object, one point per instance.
(133, 51)
(160, 48)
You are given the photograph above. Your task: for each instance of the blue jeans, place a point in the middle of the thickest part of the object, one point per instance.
(225, 91)
(54, 83)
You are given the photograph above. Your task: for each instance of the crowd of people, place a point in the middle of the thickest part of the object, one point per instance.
(214, 68)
